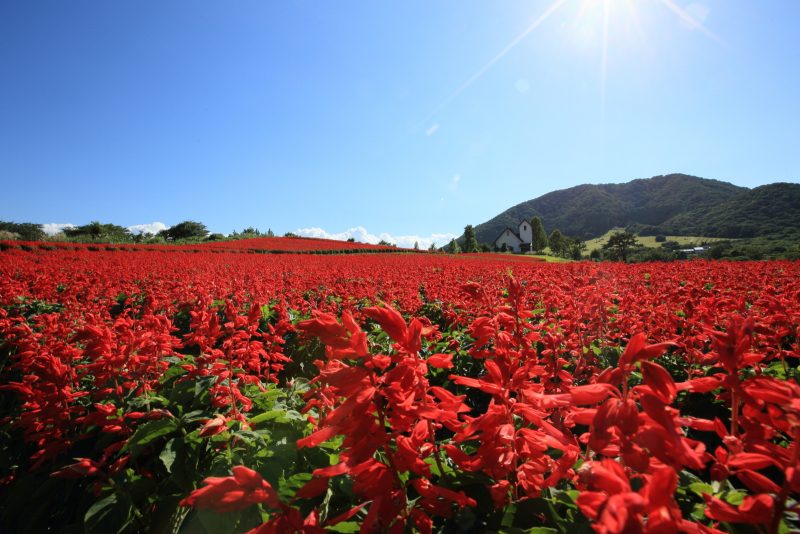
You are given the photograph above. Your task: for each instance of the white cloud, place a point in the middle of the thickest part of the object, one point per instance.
(149, 228)
(432, 130)
(54, 228)
(360, 234)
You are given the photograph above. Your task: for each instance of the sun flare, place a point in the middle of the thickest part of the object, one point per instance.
(593, 19)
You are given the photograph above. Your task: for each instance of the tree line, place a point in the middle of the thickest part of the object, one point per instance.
(95, 231)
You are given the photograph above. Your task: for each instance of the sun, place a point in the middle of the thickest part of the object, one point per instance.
(594, 16)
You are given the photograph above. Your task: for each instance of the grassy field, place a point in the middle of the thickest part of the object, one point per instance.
(650, 241)
(549, 259)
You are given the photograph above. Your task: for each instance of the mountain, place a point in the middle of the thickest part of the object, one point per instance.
(674, 204)
(767, 210)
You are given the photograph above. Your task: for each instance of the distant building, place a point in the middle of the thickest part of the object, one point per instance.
(693, 250)
(516, 241)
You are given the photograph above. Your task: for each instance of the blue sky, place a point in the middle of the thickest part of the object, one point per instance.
(407, 118)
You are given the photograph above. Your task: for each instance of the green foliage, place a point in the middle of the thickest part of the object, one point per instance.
(641, 254)
(539, 236)
(454, 247)
(23, 231)
(557, 242)
(769, 210)
(470, 241)
(247, 233)
(185, 230)
(620, 244)
(786, 246)
(175, 457)
(96, 231)
(566, 247)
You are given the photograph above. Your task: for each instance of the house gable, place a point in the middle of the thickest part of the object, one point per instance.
(509, 238)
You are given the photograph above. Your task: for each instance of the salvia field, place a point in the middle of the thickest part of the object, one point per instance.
(304, 386)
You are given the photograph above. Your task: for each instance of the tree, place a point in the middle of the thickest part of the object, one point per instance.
(24, 231)
(470, 241)
(557, 242)
(188, 230)
(620, 243)
(432, 248)
(416, 245)
(453, 247)
(578, 247)
(95, 230)
(270, 233)
(539, 240)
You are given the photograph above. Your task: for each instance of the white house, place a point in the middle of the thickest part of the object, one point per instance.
(518, 240)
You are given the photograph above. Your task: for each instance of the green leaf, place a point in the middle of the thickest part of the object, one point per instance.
(172, 372)
(194, 416)
(151, 431)
(735, 497)
(288, 487)
(508, 515)
(271, 415)
(169, 454)
(699, 512)
(346, 527)
(202, 385)
(699, 488)
(151, 401)
(108, 514)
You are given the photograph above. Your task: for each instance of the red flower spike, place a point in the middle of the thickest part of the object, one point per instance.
(214, 426)
(440, 361)
(638, 350)
(390, 320)
(755, 509)
(227, 494)
(660, 381)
